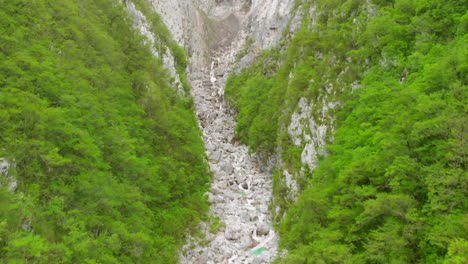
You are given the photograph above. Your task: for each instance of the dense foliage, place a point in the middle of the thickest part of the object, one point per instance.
(393, 186)
(107, 157)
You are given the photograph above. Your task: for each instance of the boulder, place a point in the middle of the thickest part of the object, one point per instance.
(232, 232)
(227, 167)
(209, 146)
(215, 156)
(245, 241)
(262, 229)
(257, 260)
(202, 259)
(245, 216)
(263, 208)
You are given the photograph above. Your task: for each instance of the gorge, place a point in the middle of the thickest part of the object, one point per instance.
(233, 131)
(215, 34)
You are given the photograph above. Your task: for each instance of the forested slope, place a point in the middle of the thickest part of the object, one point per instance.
(106, 156)
(387, 80)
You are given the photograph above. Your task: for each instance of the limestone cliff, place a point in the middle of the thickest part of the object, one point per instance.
(203, 27)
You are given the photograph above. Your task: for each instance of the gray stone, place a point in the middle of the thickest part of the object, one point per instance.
(228, 148)
(230, 196)
(227, 167)
(202, 259)
(211, 116)
(209, 147)
(215, 190)
(211, 237)
(210, 197)
(263, 208)
(245, 217)
(245, 186)
(227, 252)
(257, 260)
(262, 229)
(215, 156)
(245, 242)
(12, 186)
(232, 232)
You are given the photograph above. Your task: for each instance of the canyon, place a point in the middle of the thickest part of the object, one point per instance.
(233, 131)
(215, 35)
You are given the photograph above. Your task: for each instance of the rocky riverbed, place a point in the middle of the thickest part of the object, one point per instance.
(240, 192)
(239, 229)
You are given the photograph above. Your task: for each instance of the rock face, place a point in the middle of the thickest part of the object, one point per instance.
(141, 23)
(305, 129)
(204, 27)
(5, 178)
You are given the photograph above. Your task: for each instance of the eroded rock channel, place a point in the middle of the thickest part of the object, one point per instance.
(240, 193)
(214, 33)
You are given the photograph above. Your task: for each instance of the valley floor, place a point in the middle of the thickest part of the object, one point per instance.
(240, 193)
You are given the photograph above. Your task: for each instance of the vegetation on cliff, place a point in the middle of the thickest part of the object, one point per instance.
(393, 185)
(107, 156)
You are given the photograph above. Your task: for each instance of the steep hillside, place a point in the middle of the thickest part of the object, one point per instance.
(365, 109)
(101, 159)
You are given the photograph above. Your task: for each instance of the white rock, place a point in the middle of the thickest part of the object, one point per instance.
(245, 217)
(262, 229)
(12, 186)
(202, 259)
(256, 260)
(232, 232)
(263, 208)
(227, 167)
(215, 156)
(209, 147)
(245, 242)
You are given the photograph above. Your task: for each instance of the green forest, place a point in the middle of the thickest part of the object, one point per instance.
(107, 157)
(393, 185)
(109, 165)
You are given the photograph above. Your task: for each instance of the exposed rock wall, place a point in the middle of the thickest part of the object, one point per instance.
(6, 179)
(204, 26)
(144, 27)
(187, 22)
